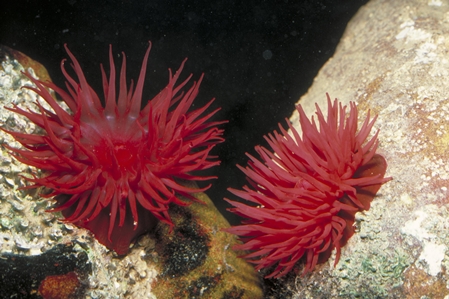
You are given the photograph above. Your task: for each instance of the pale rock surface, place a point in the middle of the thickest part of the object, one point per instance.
(393, 59)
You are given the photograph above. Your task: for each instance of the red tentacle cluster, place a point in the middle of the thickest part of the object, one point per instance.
(306, 191)
(114, 169)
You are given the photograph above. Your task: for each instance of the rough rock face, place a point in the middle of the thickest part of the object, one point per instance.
(41, 255)
(394, 60)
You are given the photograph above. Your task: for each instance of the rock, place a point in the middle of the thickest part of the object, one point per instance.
(393, 59)
(198, 259)
(195, 260)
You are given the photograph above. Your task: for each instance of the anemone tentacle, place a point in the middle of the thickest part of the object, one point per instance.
(305, 191)
(115, 169)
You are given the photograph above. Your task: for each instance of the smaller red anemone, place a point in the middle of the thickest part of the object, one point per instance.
(306, 192)
(115, 169)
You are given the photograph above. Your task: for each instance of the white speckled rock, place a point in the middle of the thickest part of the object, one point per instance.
(26, 228)
(394, 60)
(161, 265)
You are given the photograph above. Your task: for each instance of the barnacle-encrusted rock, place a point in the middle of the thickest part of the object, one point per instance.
(193, 260)
(393, 59)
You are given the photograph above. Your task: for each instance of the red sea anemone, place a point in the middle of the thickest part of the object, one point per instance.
(306, 192)
(116, 168)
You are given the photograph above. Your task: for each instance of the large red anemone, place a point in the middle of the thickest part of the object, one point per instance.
(304, 194)
(116, 168)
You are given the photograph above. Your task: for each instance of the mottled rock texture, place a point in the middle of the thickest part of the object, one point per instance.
(194, 260)
(394, 60)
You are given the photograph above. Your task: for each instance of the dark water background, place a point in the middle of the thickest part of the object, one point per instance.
(259, 57)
